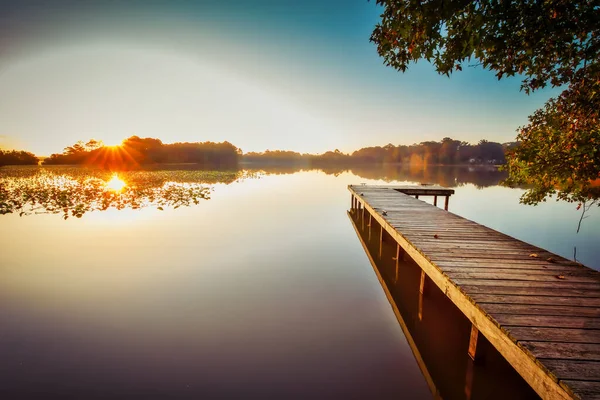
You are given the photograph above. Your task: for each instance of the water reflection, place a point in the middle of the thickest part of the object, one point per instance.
(73, 191)
(448, 176)
(437, 331)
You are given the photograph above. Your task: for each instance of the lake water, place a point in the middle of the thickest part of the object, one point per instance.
(263, 291)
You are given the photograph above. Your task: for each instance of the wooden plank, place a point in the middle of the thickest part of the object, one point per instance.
(536, 299)
(568, 335)
(584, 389)
(534, 309)
(574, 369)
(523, 276)
(534, 267)
(559, 285)
(480, 254)
(528, 290)
(549, 321)
(563, 351)
(473, 352)
(505, 264)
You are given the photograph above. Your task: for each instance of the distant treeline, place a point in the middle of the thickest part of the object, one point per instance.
(446, 152)
(136, 151)
(15, 157)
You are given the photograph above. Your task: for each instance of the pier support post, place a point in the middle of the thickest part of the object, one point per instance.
(416, 196)
(422, 287)
(469, 380)
(422, 291)
(446, 203)
(397, 261)
(475, 357)
(381, 242)
(435, 200)
(363, 218)
(474, 350)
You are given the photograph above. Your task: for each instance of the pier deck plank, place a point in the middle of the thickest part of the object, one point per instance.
(540, 310)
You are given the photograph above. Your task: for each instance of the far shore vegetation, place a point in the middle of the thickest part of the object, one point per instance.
(138, 152)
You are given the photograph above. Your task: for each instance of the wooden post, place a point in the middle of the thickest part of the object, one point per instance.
(435, 200)
(447, 201)
(420, 313)
(381, 242)
(363, 218)
(416, 196)
(422, 290)
(475, 357)
(422, 284)
(474, 351)
(397, 260)
(370, 225)
(351, 201)
(469, 380)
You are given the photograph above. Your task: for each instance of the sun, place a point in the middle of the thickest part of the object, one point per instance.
(115, 183)
(112, 142)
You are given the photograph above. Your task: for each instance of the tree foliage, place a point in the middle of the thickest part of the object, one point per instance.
(446, 152)
(554, 43)
(16, 157)
(135, 152)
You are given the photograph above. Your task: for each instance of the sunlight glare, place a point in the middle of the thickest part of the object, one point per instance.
(116, 183)
(112, 142)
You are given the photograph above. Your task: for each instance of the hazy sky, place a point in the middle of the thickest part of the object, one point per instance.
(264, 74)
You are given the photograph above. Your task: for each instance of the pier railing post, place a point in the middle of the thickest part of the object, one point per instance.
(446, 203)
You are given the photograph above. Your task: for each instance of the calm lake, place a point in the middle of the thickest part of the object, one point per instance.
(262, 291)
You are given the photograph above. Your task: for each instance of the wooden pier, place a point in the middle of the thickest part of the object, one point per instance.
(539, 310)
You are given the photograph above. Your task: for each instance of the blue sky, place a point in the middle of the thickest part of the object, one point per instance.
(299, 75)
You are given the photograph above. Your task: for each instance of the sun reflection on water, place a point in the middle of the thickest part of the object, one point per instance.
(116, 183)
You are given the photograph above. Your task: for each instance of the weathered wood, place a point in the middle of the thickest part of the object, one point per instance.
(508, 289)
(549, 321)
(381, 242)
(574, 369)
(559, 285)
(398, 249)
(522, 298)
(584, 389)
(530, 309)
(593, 302)
(564, 351)
(571, 335)
(446, 203)
(523, 276)
(474, 352)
